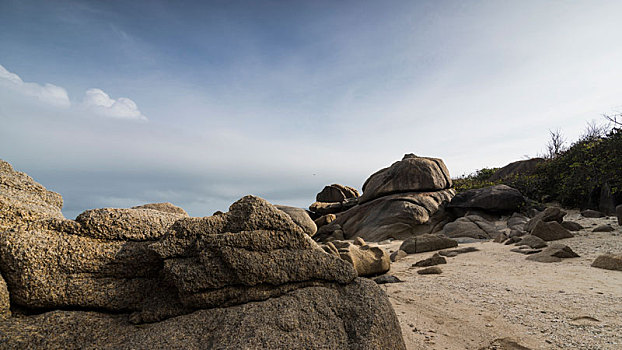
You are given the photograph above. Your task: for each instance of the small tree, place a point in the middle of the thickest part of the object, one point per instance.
(555, 146)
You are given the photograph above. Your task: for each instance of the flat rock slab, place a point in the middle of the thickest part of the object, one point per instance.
(603, 228)
(554, 253)
(434, 270)
(387, 279)
(427, 243)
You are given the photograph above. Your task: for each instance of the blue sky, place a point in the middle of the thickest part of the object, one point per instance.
(118, 103)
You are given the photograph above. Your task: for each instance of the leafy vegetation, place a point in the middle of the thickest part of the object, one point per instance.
(573, 176)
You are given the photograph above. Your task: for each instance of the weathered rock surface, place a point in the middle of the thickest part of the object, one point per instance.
(427, 243)
(367, 260)
(521, 167)
(325, 208)
(300, 217)
(532, 241)
(126, 224)
(608, 262)
(435, 259)
(333, 316)
(603, 228)
(517, 222)
(470, 226)
(551, 231)
(4, 300)
(411, 174)
(549, 214)
(571, 226)
(619, 214)
(163, 207)
(397, 216)
(336, 193)
(589, 213)
(23, 200)
(494, 199)
(554, 253)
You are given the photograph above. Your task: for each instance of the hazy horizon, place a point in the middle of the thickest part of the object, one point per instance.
(115, 104)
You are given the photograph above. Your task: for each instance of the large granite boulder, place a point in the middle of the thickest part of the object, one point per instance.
(427, 243)
(411, 174)
(357, 315)
(300, 217)
(164, 207)
(472, 226)
(336, 193)
(521, 167)
(493, 199)
(126, 224)
(551, 231)
(5, 304)
(23, 201)
(549, 214)
(396, 216)
(367, 260)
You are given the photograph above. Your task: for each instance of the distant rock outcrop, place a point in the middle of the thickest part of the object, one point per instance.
(521, 167)
(401, 201)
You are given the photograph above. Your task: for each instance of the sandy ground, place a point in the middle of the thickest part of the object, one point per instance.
(494, 294)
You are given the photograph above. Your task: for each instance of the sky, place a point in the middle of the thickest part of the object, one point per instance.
(198, 103)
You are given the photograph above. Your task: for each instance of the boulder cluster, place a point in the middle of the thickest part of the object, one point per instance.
(153, 277)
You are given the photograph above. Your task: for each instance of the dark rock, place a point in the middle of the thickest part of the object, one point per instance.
(551, 231)
(619, 214)
(606, 202)
(549, 214)
(396, 216)
(521, 167)
(517, 233)
(427, 243)
(435, 259)
(603, 228)
(336, 193)
(512, 240)
(500, 238)
(532, 241)
(589, 213)
(163, 207)
(554, 253)
(434, 270)
(411, 174)
(525, 250)
(458, 251)
(398, 255)
(387, 279)
(470, 226)
(517, 222)
(571, 226)
(357, 315)
(496, 199)
(300, 217)
(608, 262)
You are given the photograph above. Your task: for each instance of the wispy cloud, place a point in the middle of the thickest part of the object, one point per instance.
(47, 93)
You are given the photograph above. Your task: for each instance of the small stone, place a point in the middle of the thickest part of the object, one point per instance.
(434, 270)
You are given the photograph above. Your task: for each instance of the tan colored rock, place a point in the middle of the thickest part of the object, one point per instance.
(398, 255)
(608, 262)
(367, 261)
(5, 303)
(163, 207)
(325, 208)
(126, 224)
(324, 220)
(336, 193)
(300, 217)
(357, 315)
(411, 174)
(397, 216)
(23, 200)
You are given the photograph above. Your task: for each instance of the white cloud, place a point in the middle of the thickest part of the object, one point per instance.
(47, 93)
(99, 102)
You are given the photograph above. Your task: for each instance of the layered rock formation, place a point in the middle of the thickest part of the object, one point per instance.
(398, 202)
(150, 263)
